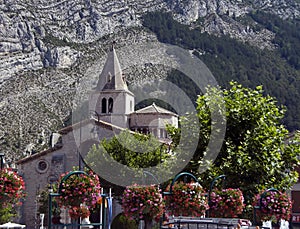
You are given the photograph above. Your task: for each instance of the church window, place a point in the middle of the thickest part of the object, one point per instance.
(130, 105)
(103, 105)
(42, 166)
(110, 105)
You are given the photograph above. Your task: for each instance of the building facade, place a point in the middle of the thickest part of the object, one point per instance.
(113, 106)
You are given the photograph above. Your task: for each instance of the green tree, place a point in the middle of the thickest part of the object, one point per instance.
(129, 154)
(230, 59)
(135, 150)
(6, 214)
(255, 153)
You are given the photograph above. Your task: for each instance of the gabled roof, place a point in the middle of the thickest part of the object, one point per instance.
(111, 77)
(37, 155)
(97, 122)
(68, 129)
(153, 108)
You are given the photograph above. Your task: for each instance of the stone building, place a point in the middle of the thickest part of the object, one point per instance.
(113, 104)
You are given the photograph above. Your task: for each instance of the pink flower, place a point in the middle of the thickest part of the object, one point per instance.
(143, 201)
(79, 188)
(226, 203)
(186, 200)
(274, 204)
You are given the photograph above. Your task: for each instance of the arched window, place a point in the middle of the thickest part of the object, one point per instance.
(103, 105)
(110, 105)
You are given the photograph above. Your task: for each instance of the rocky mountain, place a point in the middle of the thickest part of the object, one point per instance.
(47, 47)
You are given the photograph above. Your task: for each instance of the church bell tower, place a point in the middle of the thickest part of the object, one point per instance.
(111, 99)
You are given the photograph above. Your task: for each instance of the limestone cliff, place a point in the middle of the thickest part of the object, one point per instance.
(46, 47)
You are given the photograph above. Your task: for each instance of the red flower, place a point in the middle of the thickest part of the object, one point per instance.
(78, 189)
(227, 203)
(79, 212)
(12, 187)
(142, 202)
(186, 200)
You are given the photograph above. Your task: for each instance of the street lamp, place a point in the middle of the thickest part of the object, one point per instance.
(2, 160)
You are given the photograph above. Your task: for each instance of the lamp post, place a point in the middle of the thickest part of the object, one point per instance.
(2, 160)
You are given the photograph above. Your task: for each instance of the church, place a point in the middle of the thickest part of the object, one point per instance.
(113, 105)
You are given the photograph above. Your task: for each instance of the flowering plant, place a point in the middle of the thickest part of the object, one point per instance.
(274, 205)
(186, 199)
(226, 203)
(142, 202)
(79, 189)
(12, 187)
(76, 212)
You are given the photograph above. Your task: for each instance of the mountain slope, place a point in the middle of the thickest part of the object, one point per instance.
(46, 47)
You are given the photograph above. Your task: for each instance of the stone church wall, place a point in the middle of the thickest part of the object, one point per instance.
(41, 169)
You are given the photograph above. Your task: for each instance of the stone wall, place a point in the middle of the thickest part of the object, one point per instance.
(41, 170)
(44, 168)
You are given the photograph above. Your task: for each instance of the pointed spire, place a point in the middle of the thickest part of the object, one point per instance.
(111, 77)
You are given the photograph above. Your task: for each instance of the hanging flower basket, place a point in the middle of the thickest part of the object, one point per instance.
(143, 203)
(79, 212)
(187, 199)
(79, 189)
(12, 188)
(274, 205)
(226, 203)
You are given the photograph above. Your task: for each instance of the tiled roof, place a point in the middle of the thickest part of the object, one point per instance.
(66, 130)
(153, 108)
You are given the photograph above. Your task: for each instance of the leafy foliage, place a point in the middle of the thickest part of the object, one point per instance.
(229, 59)
(122, 222)
(125, 150)
(287, 35)
(6, 214)
(130, 149)
(43, 200)
(255, 154)
(140, 158)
